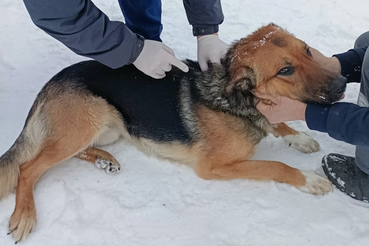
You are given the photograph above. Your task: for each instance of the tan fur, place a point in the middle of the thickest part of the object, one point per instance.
(262, 52)
(282, 129)
(73, 131)
(24, 149)
(9, 178)
(92, 153)
(226, 148)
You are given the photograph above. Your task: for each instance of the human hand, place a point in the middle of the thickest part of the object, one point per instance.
(156, 58)
(210, 48)
(280, 109)
(329, 63)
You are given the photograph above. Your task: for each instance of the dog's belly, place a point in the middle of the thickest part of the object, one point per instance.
(150, 108)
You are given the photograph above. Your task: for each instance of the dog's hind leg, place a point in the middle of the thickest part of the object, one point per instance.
(54, 150)
(101, 159)
(73, 120)
(23, 218)
(297, 140)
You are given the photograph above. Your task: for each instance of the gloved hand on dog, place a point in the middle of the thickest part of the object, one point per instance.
(156, 58)
(210, 48)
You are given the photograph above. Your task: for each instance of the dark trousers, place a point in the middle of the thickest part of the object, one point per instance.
(362, 152)
(143, 17)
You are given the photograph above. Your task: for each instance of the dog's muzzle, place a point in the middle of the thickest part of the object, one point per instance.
(338, 88)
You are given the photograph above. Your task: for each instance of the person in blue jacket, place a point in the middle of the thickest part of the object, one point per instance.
(343, 121)
(87, 31)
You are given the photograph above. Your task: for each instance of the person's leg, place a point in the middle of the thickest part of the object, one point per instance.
(351, 174)
(362, 40)
(362, 152)
(143, 17)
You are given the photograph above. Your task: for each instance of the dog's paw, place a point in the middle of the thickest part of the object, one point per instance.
(110, 167)
(21, 224)
(315, 184)
(302, 142)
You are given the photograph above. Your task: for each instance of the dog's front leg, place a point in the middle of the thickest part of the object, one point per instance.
(306, 181)
(297, 140)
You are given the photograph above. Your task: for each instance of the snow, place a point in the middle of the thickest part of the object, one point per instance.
(154, 202)
(341, 182)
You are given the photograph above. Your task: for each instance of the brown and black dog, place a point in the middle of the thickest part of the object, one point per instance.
(206, 120)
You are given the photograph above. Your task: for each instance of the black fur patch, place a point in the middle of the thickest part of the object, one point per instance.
(150, 107)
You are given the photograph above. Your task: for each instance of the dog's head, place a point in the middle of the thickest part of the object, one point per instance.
(272, 61)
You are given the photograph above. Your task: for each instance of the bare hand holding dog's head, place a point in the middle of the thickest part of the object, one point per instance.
(280, 109)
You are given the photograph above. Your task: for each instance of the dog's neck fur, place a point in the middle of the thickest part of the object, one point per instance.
(212, 87)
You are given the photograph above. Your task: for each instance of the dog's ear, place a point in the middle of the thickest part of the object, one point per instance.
(242, 79)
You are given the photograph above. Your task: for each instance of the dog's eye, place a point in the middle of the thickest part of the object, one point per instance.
(286, 71)
(308, 52)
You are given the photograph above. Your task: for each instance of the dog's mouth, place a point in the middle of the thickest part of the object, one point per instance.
(328, 98)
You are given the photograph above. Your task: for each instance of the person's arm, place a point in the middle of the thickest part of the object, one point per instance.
(86, 30)
(205, 16)
(342, 121)
(351, 62)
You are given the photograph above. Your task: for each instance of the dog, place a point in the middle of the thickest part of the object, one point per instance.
(208, 120)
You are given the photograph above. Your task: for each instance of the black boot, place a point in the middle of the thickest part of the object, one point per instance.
(343, 172)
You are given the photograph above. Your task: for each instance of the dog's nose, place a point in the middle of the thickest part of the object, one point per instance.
(340, 85)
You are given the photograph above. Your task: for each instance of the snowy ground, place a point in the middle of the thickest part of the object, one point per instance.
(158, 203)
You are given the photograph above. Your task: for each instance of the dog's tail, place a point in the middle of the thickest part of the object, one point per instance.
(25, 148)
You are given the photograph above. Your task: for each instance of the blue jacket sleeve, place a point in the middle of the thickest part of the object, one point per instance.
(342, 121)
(351, 62)
(86, 30)
(205, 16)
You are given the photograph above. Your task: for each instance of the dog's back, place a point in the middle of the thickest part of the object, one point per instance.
(150, 108)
